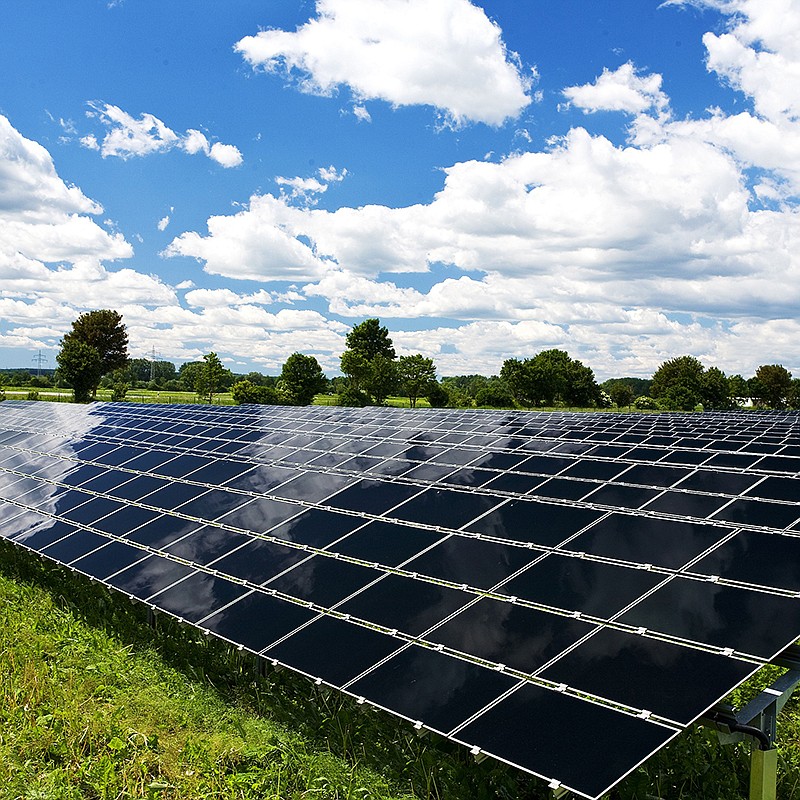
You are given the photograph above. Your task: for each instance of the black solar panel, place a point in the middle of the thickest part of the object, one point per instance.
(514, 581)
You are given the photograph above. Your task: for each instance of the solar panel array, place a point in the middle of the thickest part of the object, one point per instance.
(564, 592)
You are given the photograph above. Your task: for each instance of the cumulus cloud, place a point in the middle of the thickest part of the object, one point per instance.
(621, 90)
(446, 54)
(129, 137)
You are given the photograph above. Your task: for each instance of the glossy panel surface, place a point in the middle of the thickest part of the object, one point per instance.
(474, 562)
(646, 540)
(433, 688)
(519, 637)
(149, 576)
(533, 521)
(198, 596)
(720, 615)
(257, 620)
(576, 584)
(405, 604)
(260, 514)
(333, 650)
(667, 679)
(323, 580)
(769, 559)
(552, 734)
(445, 507)
(372, 496)
(110, 558)
(386, 543)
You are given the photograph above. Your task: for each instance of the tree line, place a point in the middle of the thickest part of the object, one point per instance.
(94, 353)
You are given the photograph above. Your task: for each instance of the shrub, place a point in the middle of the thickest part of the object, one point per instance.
(645, 403)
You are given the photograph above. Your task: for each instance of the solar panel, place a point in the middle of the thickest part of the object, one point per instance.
(515, 581)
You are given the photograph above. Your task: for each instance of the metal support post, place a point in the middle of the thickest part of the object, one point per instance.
(764, 774)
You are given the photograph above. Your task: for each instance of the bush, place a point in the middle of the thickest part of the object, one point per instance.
(494, 395)
(248, 392)
(118, 391)
(645, 403)
(355, 398)
(32, 395)
(438, 396)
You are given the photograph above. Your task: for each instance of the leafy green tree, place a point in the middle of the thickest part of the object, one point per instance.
(354, 398)
(383, 378)
(417, 376)
(715, 390)
(793, 400)
(188, 374)
(80, 365)
(621, 393)
(678, 383)
(370, 339)
(103, 331)
(245, 391)
(771, 385)
(369, 362)
(645, 403)
(515, 375)
(581, 387)
(737, 388)
(548, 377)
(495, 394)
(439, 395)
(211, 378)
(301, 379)
(356, 367)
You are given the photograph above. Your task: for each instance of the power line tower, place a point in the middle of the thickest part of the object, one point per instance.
(153, 358)
(39, 359)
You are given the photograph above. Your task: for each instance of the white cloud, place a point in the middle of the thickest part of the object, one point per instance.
(446, 54)
(226, 155)
(196, 142)
(129, 137)
(163, 222)
(620, 90)
(361, 114)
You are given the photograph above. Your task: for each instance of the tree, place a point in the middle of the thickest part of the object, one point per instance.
(188, 373)
(301, 379)
(369, 363)
(80, 365)
(549, 377)
(211, 378)
(383, 378)
(417, 376)
(621, 393)
(793, 401)
(245, 391)
(771, 385)
(495, 394)
(370, 339)
(678, 383)
(104, 332)
(737, 389)
(438, 395)
(715, 390)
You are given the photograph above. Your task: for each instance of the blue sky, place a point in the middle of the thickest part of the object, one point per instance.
(617, 178)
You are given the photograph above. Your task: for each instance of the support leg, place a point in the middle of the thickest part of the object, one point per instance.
(763, 774)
